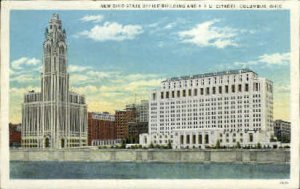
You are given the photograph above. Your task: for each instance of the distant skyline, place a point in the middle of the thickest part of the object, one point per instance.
(114, 56)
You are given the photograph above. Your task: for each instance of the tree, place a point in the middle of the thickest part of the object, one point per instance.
(258, 146)
(218, 144)
(123, 144)
(169, 144)
(151, 145)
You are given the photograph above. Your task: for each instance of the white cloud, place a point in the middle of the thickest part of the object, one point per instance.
(19, 63)
(170, 25)
(101, 74)
(135, 77)
(24, 78)
(21, 91)
(79, 79)
(282, 88)
(85, 89)
(153, 25)
(267, 59)
(276, 58)
(142, 85)
(92, 18)
(112, 31)
(207, 34)
(75, 68)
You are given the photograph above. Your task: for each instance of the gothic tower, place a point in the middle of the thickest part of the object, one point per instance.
(55, 117)
(55, 81)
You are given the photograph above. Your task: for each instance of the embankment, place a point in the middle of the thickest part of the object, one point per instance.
(152, 155)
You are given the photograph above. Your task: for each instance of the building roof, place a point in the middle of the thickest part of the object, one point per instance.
(211, 74)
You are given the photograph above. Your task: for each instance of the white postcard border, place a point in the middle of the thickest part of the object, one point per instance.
(293, 182)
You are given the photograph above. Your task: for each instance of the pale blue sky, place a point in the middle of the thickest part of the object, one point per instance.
(116, 54)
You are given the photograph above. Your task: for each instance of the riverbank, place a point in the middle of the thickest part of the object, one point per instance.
(153, 155)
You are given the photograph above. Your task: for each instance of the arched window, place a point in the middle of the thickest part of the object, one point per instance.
(61, 50)
(47, 143)
(48, 49)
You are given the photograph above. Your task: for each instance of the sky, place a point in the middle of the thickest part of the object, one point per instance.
(115, 57)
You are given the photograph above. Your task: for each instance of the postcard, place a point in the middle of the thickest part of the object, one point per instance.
(140, 94)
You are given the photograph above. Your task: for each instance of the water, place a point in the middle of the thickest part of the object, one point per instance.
(107, 170)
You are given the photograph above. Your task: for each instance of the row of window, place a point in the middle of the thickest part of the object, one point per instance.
(195, 101)
(206, 91)
(212, 80)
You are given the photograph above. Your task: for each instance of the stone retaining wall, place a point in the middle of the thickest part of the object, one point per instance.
(153, 155)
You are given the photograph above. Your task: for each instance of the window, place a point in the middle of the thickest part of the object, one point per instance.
(201, 91)
(61, 50)
(178, 93)
(167, 94)
(190, 92)
(199, 139)
(206, 139)
(240, 88)
(214, 90)
(220, 89)
(183, 93)
(162, 95)
(207, 90)
(256, 87)
(153, 96)
(187, 139)
(195, 92)
(246, 87)
(226, 88)
(181, 139)
(233, 88)
(173, 94)
(194, 139)
(250, 137)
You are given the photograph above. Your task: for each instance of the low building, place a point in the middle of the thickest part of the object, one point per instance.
(101, 127)
(282, 130)
(14, 135)
(113, 142)
(132, 121)
(135, 129)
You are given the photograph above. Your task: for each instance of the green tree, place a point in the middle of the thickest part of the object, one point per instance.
(169, 144)
(258, 146)
(151, 145)
(123, 144)
(218, 145)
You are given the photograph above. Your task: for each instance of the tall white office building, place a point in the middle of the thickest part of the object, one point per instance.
(196, 111)
(54, 117)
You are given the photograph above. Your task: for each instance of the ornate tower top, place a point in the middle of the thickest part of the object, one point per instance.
(55, 46)
(54, 31)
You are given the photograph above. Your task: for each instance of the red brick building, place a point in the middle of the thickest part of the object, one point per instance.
(121, 124)
(101, 126)
(14, 135)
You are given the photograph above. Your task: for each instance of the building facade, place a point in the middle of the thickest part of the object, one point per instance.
(14, 135)
(282, 131)
(197, 111)
(141, 121)
(101, 128)
(132, 121)
(55, 117)
(121, 124)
